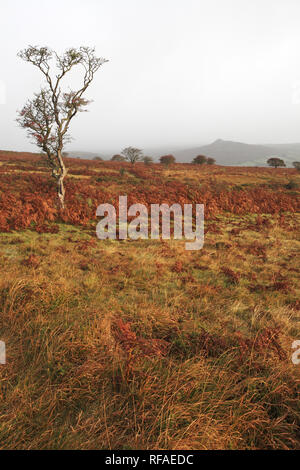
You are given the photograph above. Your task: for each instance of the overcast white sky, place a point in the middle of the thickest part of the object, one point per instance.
(180, 72)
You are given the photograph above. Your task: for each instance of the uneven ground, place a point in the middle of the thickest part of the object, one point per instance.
(142, 344)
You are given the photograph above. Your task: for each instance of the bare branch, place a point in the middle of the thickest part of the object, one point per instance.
(132, 154)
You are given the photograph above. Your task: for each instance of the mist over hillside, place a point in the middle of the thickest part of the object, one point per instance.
(225, 152)
(238, 153)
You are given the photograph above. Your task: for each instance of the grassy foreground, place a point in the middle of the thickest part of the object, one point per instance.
(144, 345)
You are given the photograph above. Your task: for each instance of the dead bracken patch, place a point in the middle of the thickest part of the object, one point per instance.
(232, 276)
(32, 261)
(178, 267)
(267, 341)
(256, 248)
(130, 342)
(44, 228)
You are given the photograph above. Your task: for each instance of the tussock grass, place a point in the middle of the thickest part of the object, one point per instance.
(143, 345)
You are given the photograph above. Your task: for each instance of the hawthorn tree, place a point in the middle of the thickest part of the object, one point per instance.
(275, 162)
(117, 158)
(296, 165)
(132, 154)
(147, 160)
(47, 116)
(210, 161)
(167, 160)
(200, 160)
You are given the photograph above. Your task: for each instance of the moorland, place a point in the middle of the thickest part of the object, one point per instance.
(141, 344)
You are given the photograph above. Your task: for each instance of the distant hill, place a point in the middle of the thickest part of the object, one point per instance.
(233, 153)
(291, 151)
(83, 154)
(225, 152)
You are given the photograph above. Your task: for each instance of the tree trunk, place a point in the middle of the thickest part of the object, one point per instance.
(60, 180)
(61, 190)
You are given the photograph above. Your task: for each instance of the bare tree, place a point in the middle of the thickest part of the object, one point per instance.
(47, 116)
(132, 154)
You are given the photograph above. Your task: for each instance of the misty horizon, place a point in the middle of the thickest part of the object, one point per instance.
(157, 149)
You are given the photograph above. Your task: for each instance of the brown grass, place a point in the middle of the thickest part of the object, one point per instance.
(144, 345)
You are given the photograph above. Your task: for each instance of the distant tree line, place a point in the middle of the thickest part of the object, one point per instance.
(133, 155)
(202, 159)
